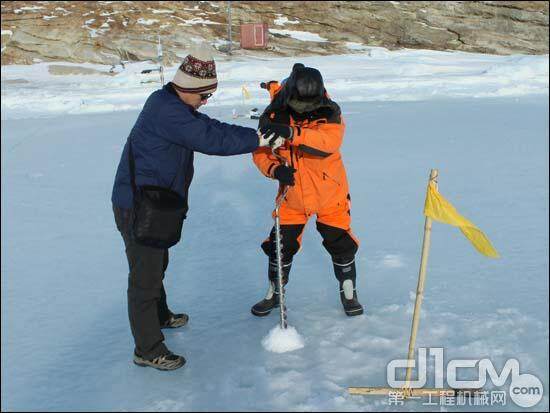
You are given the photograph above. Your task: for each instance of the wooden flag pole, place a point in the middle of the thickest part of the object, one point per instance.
(423, 392)
(420, 286)
(406, 391)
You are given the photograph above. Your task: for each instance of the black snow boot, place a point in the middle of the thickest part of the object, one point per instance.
(346, 273)
(271, 300)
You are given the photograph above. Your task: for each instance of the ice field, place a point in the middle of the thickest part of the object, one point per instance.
(66, 342)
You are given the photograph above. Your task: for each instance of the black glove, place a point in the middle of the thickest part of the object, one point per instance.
(284, 174)
(279, 129)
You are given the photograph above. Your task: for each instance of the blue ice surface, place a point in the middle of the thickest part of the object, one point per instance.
(66, 343)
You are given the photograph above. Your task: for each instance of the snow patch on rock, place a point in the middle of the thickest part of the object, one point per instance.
(299, 35)
(161, 11)
(282, 20)
(146, 22)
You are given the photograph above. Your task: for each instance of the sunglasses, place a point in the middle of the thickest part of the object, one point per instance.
(205, 96)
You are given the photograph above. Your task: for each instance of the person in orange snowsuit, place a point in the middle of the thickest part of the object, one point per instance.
(311, 123)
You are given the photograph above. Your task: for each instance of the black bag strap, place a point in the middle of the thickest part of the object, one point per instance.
(131, 161)
(132, 164)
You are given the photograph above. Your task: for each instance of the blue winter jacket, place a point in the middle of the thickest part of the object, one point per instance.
(164, 138)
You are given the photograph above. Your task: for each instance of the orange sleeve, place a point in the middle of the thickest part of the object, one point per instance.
(326, 138)
(265, 161)
(273, 87)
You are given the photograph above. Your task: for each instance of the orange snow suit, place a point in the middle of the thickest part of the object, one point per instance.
(321, 185)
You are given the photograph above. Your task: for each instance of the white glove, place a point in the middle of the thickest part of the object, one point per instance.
(272, 140)
(277, 142)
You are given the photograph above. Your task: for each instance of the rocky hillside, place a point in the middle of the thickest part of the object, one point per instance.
(110, 31)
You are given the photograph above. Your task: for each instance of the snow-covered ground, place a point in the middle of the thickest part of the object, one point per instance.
(66, 343)
(374, 74)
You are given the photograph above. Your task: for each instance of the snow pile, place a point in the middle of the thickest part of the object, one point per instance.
(281, 340)
(372, 74)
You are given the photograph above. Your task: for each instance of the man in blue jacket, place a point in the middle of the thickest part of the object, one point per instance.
(167, 132)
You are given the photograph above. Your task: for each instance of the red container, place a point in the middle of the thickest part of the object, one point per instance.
(254, 36)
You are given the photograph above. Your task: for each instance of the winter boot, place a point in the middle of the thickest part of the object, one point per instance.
(175, 321)
(346, 273)
(167, 361)
(271, 300)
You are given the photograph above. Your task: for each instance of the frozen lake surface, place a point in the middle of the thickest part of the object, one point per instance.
(66, 343)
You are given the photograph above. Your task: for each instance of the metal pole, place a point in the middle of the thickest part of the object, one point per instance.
(161, 63)
(420, 285)
(229, 26)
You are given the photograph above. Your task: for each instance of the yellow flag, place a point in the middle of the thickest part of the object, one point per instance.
(246, 93)
(439, 209)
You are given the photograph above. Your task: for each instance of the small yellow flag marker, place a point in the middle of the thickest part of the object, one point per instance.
(246, 93)
(439, 209)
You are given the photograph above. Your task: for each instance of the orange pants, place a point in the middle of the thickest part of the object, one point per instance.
(333, 224)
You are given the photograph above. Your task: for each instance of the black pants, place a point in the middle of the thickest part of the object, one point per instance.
(338, 242)
(147, 307)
